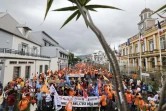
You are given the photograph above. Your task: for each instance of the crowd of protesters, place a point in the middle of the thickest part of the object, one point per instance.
(27, 94)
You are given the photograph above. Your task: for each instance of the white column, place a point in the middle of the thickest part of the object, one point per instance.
(154, 41)
(155, 59)
(132, 48)
(125, 50)
(145, 44)
(133, 62)
(146, 62)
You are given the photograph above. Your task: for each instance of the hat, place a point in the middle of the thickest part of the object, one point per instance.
(33, 101)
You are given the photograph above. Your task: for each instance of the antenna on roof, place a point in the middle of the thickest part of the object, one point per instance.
(145, 3)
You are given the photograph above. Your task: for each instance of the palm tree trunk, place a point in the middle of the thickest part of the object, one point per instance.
(107, 49)
(162, 96)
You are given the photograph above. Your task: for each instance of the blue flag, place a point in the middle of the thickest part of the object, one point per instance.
(128, 42)
(67, 80)
(96, 90)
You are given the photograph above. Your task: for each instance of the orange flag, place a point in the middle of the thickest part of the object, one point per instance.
(44, 89)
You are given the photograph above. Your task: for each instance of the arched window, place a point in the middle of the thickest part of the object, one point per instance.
(164, 61)
(153, 63)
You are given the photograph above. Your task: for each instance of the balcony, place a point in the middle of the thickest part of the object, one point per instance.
(16, 52)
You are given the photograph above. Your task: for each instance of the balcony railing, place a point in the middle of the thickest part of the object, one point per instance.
(12, 51)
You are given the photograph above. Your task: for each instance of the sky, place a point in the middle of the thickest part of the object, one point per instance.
(115, 25)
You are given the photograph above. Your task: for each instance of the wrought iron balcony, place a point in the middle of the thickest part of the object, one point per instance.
(23, 53)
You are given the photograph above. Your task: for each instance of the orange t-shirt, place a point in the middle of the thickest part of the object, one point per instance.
(134, 76)
(103, 99)
(72, 93)
(69, 106)
(129, 98)
(110, 95)
(136, 101)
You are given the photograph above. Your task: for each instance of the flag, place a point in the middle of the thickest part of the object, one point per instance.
(67, 80)
(57, 101)
(128, 42)
(105, 78)
(79, 87)
(141, 38)
(44, 89)
(96, 90)
(159, 28)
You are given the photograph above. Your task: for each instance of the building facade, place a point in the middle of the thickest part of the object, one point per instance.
(147, 51)
(50, 47)
(22, 54)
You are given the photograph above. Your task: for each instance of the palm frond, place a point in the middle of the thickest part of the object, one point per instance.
(87, 1)
(70, 18)
(78, 16)
(72, 8)
(91, 9)
(160, 9)
(101, 6)
(49, 4)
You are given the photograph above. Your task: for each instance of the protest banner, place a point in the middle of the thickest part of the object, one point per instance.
(80, 101)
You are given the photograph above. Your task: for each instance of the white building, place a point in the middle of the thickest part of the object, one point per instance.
(20, 53)
(100, 57)
(51, 48)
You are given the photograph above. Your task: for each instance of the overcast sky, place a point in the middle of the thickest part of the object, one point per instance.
(116, 26)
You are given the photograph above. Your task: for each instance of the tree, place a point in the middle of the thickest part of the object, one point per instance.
(81, 7)
(162, 10)
(71, 58)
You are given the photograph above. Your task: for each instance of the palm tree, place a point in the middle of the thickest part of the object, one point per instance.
(81, 7)
(162, 106)
(162, 10)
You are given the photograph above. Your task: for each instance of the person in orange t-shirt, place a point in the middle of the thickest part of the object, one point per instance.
(142, 104)
(69, 106)
(103, 100)
(129, 98)
(72, 92)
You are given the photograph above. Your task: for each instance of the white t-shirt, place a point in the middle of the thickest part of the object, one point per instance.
(151, 99)
(138, 82)
(33, 107)
(48, 98)
(138, 89)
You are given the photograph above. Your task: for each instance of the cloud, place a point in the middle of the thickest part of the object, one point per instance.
(116, 26)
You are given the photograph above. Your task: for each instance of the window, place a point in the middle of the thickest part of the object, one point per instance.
(16, 72)
(24, 47)
(136, 48)
(27, 71)
(131, 50)
(141, 17)
(126, 51)
(41, 69)
(153, 62)
(143, 47)
(151, 45)
(145, 15)
(123, 52)
(149, 14)
(162, 42)
(45, 43)
(34, 50)
(46, 68)
(164, 61)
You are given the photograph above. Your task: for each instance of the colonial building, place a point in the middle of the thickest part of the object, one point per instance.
(22, 54)
(149, 48)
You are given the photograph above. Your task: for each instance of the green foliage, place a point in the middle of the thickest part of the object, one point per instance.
(49, 3)
(70, 18)
(77, 14)
(161, 9)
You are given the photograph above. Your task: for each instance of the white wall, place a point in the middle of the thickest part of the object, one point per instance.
(54, 64)
(17, 41)
(9, 68)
